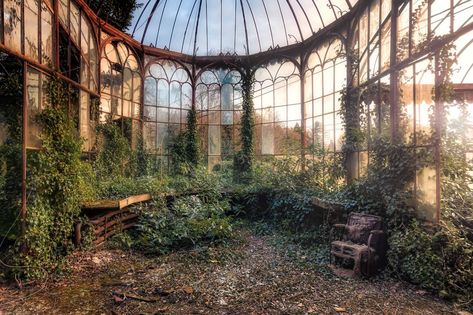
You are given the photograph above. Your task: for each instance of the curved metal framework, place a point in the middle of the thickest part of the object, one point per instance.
(120, 78)
(233, 28)
(302, 53)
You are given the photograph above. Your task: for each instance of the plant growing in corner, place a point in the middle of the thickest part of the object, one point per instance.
(58, 181)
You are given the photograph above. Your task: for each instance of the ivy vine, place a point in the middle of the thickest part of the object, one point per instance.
(243, 160)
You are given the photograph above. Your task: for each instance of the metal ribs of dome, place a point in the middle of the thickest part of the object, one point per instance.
(232, 27)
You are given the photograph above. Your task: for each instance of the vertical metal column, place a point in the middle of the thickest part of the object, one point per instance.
(24, 210)
(438, 112)
(303, 126)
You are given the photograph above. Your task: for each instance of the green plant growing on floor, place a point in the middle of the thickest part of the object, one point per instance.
(191, 219)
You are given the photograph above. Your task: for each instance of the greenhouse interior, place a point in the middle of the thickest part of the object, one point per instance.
(236, 157)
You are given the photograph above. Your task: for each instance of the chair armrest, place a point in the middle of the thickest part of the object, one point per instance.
(375, 237)
(336, 226)
(377, 232)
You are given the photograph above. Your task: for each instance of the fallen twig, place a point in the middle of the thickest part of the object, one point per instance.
(134, 297)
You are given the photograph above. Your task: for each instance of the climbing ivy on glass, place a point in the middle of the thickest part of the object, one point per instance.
(11, 92)
(114, 152)
(192, 138)
(58, 181)
(243, 160)
(184, 148)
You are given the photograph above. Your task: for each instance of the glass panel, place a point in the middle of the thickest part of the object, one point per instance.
(339, 132)
(34, 107)
(420, 24)
(162, 114)
(149, 113)
(151, 92)
(440, 18)
(175, 95)
(84, 119)
(75, 22)
(406, 85)
(12, 24)
(64, 13)
(385, 107)
(267, 139)
(425, 82)
(105, 103)
(227, 117)
(280, 113)
(106, 76)
(137, 87)
(403, 41)
(214, 140)
(150, 136)
(463, 13)
(385, 53)
(318, 130)
(163, 93)
(127, 84)
(162, 138)
(31, 29)
(227, 97)
(329, 130)
(126, 108)
(174, 115)
(46, 36)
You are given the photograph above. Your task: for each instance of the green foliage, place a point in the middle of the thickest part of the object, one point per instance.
(119, 13)
(122, 187)
(189, 221)
(192, 138)
(322, 173)
(57, 183)
(144, 164)
(386, 189)
(243, 160)
(440, 261)
(115, 156)
(281, 192)
(184, 148)
(11, 116)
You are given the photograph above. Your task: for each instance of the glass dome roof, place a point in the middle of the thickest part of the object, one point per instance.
(232, 27)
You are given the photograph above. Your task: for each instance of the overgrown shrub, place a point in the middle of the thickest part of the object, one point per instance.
(386, 188)
(115, 156)
(57, 183)
(122, 187)
(11, 117)
(439, 260)
(189, 221)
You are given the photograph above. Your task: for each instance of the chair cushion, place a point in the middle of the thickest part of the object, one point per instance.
(360, 225)
(349, 249)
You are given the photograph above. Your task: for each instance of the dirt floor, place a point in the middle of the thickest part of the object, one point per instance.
(249, 276)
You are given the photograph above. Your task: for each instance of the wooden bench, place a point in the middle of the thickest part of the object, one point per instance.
(109, 217)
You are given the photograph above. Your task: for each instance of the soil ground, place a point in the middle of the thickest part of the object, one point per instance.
(248, 276)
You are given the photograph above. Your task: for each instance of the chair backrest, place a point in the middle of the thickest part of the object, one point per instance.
(360, 225)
